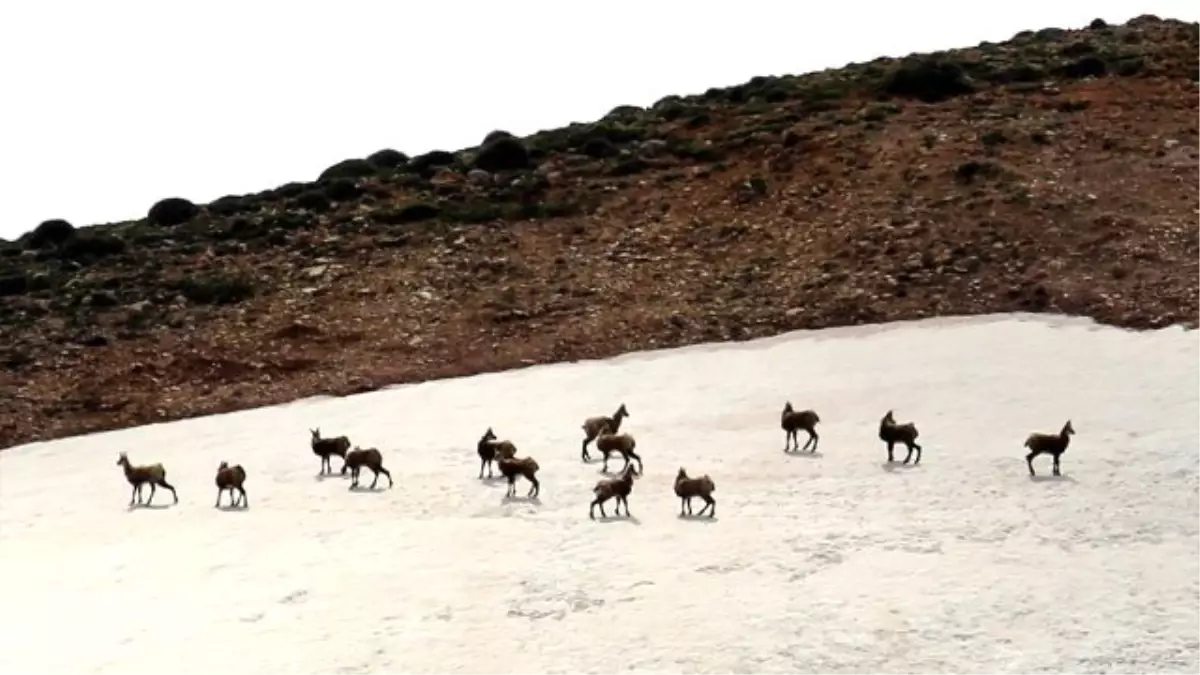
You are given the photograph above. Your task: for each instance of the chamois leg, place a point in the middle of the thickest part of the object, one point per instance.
(813, 439)
(1057, 472)
(153, 489)
(537, 487)
(512, 487)
(221, 491)
(482, 461)
(625, 501)
(891, 456)
(638, 457)
(908, 455)
(137, 492)
(711, 506)
(787, 440)
(353, 478)
(592, 509)
(583, 452)
(170, 487)
(1029, 462)
(918, 459)
(245, 499)
(682, 501)
(385, 472)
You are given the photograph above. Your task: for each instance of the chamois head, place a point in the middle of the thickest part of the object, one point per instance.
(1068, 429)
(622, 411)
(316, 433)
(681, 475)
(122, 459)
(888, 419)
(224, 465)
(787, 407)
(489, 435)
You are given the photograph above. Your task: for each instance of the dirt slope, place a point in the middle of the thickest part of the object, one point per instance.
(1056, 172)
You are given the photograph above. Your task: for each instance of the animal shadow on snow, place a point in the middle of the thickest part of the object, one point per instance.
(1065, 478)
(229, 507)
(494, 481)
(366, 489)
(148, 507)
(520, 499)
(898, 466)
(804, 453)
(321, 477)
(633, 520)
(696, 518)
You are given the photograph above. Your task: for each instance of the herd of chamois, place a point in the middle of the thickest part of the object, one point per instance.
(605, 432)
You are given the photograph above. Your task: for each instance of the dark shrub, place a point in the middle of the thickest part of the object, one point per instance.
(229, 205)
(1097, 24)
(216, 290)
(495, 136)
(928, 80)
(387, 158)
(410, 213)
(505, 154)
(13, 284)
(425, 163)
(314, 201)
(599, 148)
(342, 190)
(86, 245)
(172, 211)
(1088, 66)
(349, 168)
(51, 233)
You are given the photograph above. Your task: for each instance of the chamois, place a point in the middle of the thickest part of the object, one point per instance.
(608, 488)
(1052, 444)
(609, 442)
(702, 487)
(592, 427)
(891, 433)
(357, 458)
(511, 467)
(792, 422)
(325, 447)
(491, 450)
(231, 478)
(152, 474)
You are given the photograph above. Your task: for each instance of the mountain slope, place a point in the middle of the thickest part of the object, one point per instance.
(1055, 172)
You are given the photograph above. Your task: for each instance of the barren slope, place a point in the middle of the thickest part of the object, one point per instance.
(1056, 172)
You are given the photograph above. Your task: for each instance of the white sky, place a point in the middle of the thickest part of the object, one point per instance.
(110, 106)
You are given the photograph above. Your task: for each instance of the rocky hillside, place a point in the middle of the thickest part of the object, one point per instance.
(1055, 172)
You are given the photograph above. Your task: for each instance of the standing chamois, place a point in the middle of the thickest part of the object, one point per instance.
(892, 433)
(608, 488)
(357, 458)
(1052, 444)
(511, 467)
(325, 447)
(592, 427)
(152, 474)
(702, 487)
(792, 422)
(231, 478)
(491, 450)
(609, 442)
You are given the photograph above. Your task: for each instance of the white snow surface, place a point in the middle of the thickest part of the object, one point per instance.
(829, 562)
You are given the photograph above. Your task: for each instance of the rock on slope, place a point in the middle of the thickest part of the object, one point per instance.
(1055, 172)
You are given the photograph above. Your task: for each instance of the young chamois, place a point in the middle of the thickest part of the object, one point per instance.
(792, 422)
(1051, 444)
(609, 488)
(357, 458)
(702, 487)
(511, 467)
(592, 427)
(231, 478)
(151, 474)
(325, 447)
(609, 442)
(491, 450)
(892, 433)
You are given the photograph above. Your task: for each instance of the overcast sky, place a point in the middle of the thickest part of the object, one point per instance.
(109, 106)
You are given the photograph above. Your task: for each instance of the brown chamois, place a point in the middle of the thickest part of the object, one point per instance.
(491, 450)
(231, 478)
(892, 433)
(325, 447)
(609, 442)
(608, 488)
(511, 467)
(592, 427)
(792, 422)
(1052, 444)
(702, 487)
(151, 474)
(357, 458)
